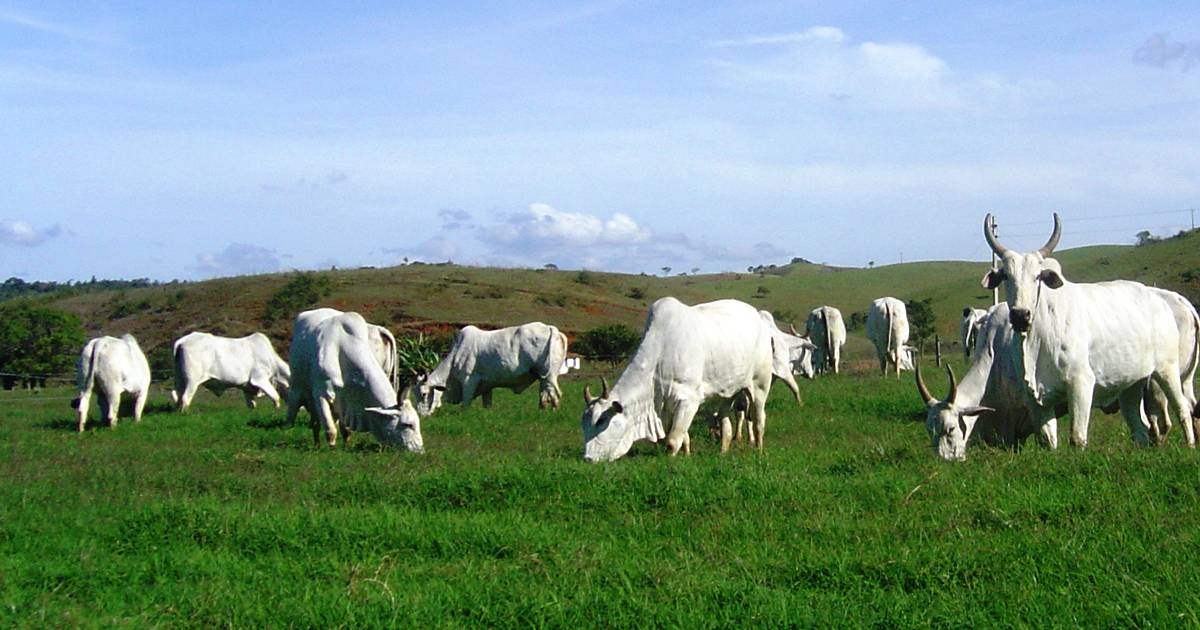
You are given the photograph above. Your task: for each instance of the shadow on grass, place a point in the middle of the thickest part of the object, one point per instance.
(279, 422)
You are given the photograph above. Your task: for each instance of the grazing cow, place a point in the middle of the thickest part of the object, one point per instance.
(688, 354)
(482, 360)
(790, 353)
(989, 403)
(336, 376)
(887, 328)
(248, 363)
(1156, 403)
(972, 321)
(111, 367)
(827, 330)
(1087, 344)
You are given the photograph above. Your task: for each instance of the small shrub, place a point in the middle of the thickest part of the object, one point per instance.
(612, 342)
(586, 278)
(858, 319)
(304, 289)
(636, 293)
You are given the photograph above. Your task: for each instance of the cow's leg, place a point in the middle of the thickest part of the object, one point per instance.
(293, 407)
(487, 399)
(324, 416)
(726, 433)
(1173, 390)
(1080, 404)
(758, 400)
(84, 401)
(1047, 422)
(249, 393)
(1155, 404)
(265, 388)
(139, 403)
(741, 424)
(110, 407)
(189, 392)
(469, 387)
(680, 423)
(1135, 416)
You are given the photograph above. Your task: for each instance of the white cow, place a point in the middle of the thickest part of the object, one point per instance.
(248, 363)
(887, 328)
(337, 377)
(482, 360)
(968, 329)
(827, 330)
(111, 367)
(989, 404)
(1087, 344)
(1156, 403)
(688, 354)
(791, 354)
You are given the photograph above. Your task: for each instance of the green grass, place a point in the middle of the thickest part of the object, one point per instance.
(222, 517)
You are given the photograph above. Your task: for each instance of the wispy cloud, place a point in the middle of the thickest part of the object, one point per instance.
(1160, 52)
(811, 34)
(21, 233)
(823, 64)
(57, 29)
(238, 259)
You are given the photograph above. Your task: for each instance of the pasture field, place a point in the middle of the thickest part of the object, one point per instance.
(224, 517)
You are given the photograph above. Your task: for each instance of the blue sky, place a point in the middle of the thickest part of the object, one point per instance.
(191, 140)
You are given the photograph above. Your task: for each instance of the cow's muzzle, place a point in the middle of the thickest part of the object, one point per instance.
(1020, 318)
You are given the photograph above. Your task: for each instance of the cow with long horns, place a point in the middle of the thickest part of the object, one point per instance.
(1087, 344)
(989, 404)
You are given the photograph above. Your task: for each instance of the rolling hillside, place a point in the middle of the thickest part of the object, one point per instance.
(434, 298)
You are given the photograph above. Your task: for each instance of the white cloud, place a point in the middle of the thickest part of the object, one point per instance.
(815, 33)
(238, 259)
(822, 64)
(542, 234)
(1158, 51)
(54, 28)
(21, 233)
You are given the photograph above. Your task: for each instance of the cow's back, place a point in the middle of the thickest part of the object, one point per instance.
(718, 348)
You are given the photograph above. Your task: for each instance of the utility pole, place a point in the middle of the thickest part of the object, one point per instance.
(995, 291)
(1193, 210)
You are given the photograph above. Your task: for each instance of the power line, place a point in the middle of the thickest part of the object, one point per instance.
(1108, 216)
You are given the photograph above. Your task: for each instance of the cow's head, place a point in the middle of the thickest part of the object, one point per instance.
(429, 396)
(399, 425)
(1023, 275)
(801, 359)
(948, 425)
(607, 431)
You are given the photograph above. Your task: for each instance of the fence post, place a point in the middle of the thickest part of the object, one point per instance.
(937, 349)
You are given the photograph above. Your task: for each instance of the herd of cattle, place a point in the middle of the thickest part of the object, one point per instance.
(1051, 347)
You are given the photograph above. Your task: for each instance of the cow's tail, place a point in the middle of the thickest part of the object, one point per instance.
(179, 374)
(828, 339)
(86, 378)
(1189, 372)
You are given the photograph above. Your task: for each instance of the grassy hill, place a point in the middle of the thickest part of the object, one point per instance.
(440, 297)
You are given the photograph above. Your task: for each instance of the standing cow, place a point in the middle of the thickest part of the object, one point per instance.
(887, 328)
(968, 329)
(989, 404)
(336, 376)
(111, 367)
(687, 354)
(827, 330)
(1086, 344)
(1156, 403)
(482, 360)
(248, 363)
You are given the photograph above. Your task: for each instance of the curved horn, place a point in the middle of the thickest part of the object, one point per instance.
(793, 328)
(925, 395)
(989, 234)
(604, 382)
(587, 395)
(953, 385)
(1048, 248)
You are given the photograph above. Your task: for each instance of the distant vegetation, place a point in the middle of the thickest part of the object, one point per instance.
(921, 321)
(611, 342)
(37, 340)
(302, 291)
(15, 287)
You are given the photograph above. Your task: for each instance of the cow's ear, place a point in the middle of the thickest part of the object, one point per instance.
(992, 279)
(1050, 278)
(616, 406)
(973, 411)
